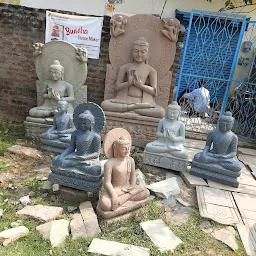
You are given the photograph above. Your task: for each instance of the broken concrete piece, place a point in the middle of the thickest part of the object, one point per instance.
(104, 247)
(218, 205)
(77, 226)
(165, 188)
(89, 218)
(247, 151)
(192, 181)
(13, 234)
(55, 187)
(140, 178)
(25, 151)
(247, 239)
(181, 201)
(226, 235)
(41, 212)
(161, 235)
(47, 185)
(56, 231)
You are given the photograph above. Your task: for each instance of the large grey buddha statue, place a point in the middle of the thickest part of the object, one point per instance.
(54, 90)
(136, 85)
(218, 163)
(58, 137)
(168, 150)
(122, 195)
(79, 165)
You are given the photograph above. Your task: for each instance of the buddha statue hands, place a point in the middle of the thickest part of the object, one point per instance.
(122, 194)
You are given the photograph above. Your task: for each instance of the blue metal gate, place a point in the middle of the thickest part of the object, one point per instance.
(210, 56)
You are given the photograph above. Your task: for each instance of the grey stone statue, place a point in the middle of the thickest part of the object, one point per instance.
(58, 137)
(79, 165)
(53, 91)
(168, 150)
(218, 163)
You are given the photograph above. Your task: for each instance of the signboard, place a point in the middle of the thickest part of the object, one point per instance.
(82, 31)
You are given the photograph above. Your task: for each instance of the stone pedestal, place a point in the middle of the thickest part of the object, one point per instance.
(141, 128)
(34, 130)
(166, 161)
(215, 176)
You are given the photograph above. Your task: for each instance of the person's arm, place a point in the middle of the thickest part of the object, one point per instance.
(208, 143)
(120, 84)
(70, 92)
(46, 93)
(108, 185)
(181, 137)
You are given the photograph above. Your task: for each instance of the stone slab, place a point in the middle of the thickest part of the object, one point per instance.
(217, 205)
(34, 130)
(89, 218)
(245, 189)
(165, 188)
(248, 160)
(13, 234)
(193, 181)
(104, 247)
(192, 152)
(247, 239)
(247, 208)
(246, 178)
(226, 235)
(25, 151)
(77, 227)
(161, 235)
(56, 231)
(41, 212)
(165, 161)
(247, 151)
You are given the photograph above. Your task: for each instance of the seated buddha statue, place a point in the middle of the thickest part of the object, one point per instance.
(121, 195)
(54, 90)
(136, 85)
(79, 165)
(217, 161)
(59, 135)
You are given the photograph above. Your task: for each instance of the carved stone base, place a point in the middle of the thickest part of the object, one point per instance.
(54, 146)
(34, 130)
(122, 210)
(217, 177)
(165, 161)
(89, 186)
(141, 128)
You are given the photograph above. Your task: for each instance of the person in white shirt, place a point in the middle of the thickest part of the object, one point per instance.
(199, 99)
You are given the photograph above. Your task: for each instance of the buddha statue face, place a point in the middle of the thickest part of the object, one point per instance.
(122, 147)
(173, 111)
(56, 71)
(225, 125)
(86, 121)
(140, 52)
(62, 106)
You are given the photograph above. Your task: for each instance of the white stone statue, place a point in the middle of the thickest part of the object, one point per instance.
(169, 144)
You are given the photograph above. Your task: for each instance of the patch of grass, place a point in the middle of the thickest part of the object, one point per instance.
(33, 183)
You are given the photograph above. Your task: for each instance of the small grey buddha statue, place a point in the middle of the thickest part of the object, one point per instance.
(79, 165)
(217, 161)
(58, 137)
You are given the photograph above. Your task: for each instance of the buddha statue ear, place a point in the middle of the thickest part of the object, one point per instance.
(115, 153)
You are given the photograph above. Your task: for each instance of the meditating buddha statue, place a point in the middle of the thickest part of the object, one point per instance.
(168, 150)
(54, 90)
(122, 195)
(136, 85)
(79, 165)
(218, 163)
(58, 137)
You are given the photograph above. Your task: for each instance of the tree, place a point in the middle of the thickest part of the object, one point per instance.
(232, 4)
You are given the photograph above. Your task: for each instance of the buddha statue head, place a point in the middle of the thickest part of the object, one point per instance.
(56, 71)
(86, 121)
(122, 147)
(173, 111)
(62, 106)
(140, 50)
(226, 122)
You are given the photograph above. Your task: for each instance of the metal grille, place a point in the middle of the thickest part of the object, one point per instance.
(209, 58)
